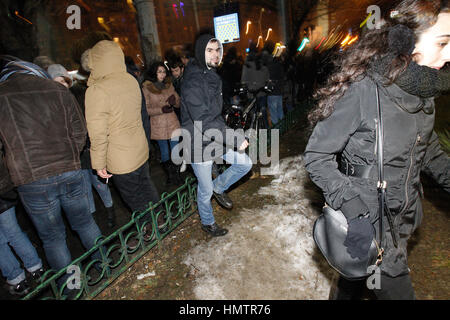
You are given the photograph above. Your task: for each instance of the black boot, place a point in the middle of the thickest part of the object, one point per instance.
(111, 218)
(20, 289)
(214, 230)
(224, 200)
(166, 167)
(175, 171)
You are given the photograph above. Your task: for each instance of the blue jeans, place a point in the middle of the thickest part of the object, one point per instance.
(241, 164)
(275, 108)
(102, 190)
(43, 201)
(164, 148)
(12, 234)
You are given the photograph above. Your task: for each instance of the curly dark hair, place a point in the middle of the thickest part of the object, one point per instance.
(175, 62)
(352, 64)
(150, 73)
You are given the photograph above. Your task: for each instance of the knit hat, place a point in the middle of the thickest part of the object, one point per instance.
(57, 70)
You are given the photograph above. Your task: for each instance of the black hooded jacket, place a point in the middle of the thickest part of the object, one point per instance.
(410, 146)
(201, 102)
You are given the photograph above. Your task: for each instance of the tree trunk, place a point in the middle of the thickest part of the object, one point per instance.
(148, 30)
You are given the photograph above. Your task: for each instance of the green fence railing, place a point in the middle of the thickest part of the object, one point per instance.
(96, 269)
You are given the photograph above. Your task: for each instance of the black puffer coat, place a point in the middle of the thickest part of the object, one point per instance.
(410, 146)
(201, 108)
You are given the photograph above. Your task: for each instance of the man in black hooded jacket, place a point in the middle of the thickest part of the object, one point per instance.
(205, 136)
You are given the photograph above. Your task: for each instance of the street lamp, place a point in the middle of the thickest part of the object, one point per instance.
(268, 32)
(101, 21)
(303, 44)
(259, 38)
(248, 23)
(344, 42)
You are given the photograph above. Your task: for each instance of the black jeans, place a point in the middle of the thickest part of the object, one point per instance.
(137, 188)
(391, 288)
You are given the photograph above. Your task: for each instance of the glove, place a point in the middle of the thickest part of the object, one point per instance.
(167, 109)
(171, 100)
(359, 237)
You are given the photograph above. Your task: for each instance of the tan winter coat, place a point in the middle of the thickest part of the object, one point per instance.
(162, 125)
(113, 112)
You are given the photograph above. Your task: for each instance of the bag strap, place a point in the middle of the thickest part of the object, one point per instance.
(382, 184)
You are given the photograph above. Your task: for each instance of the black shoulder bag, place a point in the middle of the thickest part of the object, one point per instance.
(330, 229)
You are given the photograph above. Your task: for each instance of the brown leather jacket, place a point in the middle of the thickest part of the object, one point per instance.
(42, 128)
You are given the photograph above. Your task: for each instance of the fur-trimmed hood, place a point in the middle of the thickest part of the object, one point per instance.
(153, 89)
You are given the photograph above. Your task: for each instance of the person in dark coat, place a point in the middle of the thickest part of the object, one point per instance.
(230, 72)
(135, 72)
(207, 140)
(42, 134)
(255, 76)
(276, 80)
(403, 59)
(176, 67)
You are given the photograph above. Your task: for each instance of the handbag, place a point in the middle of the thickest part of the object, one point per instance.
(330, 228)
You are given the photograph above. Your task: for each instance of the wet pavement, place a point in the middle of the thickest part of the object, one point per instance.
(166, 276)
(429, 251)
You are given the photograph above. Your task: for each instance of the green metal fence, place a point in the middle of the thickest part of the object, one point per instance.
(97, 268)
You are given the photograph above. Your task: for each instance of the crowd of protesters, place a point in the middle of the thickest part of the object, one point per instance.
(62, 137)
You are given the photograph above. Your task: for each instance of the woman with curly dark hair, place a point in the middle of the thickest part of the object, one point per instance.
(161, 99)
(402, 56)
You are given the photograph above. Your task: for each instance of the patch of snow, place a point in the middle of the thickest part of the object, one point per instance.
(145, 275)
(270, 252)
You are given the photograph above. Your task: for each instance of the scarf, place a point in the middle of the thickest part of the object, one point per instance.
(23, 67)
(417, 80)
(159, 85)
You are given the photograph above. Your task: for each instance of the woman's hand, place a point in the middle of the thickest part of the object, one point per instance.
(359, 237)
(172, 100)
(167, 109)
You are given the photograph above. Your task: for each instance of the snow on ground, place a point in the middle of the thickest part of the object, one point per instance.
(269, 253)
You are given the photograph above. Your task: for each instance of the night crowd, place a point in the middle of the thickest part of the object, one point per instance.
(60, 137)
(64, 135)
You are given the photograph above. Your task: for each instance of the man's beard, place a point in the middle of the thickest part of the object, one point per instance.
(212, 65)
